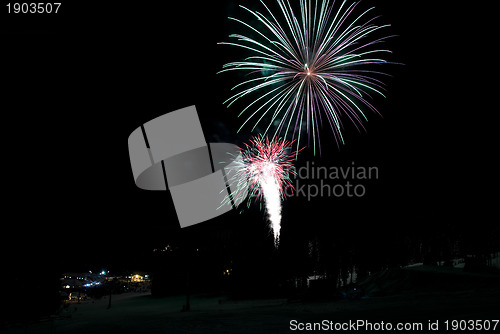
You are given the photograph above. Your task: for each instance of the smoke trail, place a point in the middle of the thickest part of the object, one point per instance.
(272, 199)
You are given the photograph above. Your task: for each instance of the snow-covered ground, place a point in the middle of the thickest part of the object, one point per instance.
(460, 263)
(141, 313)
(495, 262)
(420, 293)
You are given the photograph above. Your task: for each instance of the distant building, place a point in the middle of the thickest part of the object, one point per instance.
(137, 277)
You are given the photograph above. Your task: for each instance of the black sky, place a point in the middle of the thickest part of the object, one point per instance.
(76, 86)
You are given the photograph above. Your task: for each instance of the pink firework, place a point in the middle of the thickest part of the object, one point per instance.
(263, 170)
(265, 161)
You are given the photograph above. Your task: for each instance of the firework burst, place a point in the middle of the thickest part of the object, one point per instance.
(309, 68)
(262, 170)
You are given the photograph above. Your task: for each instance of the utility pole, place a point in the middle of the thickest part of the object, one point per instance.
(187, 264)
(187, 307)
(110, 292)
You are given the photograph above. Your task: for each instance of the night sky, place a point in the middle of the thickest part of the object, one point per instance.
(76, 86)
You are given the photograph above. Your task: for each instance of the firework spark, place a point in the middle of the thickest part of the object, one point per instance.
(262, 169)
(310, 67)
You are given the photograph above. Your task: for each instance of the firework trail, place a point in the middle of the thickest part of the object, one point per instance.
(262, 169)
(309, 68)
